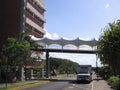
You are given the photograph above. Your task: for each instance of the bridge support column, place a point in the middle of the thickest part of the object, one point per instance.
(47, 64)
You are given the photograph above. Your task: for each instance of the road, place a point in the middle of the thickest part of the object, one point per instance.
(63, 84)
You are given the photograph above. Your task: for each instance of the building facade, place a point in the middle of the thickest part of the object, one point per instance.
(34, 18)
(18, 16)
(21, 16)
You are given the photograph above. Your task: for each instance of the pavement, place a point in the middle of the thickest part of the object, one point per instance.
(100, 84)
(97, 84)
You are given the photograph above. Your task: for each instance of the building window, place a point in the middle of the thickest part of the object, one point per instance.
(38, 32)
(40, 8)
(28, 27)
(35, 16)
(31, 13)
(39, 20)
(37, 6)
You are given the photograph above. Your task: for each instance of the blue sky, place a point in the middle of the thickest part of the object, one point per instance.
(79, 18)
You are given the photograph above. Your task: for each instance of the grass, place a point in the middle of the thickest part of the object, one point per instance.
(19, 87)
(64, 75)
(3, 89)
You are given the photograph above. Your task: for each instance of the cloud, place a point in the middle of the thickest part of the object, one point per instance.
(79, 58)
(51, 36)
(34, 38)
(48, 35)
(107, 5)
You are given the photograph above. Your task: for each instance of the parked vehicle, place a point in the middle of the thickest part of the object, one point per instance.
(84, 72)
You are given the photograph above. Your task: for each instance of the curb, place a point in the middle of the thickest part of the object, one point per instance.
(23, 85)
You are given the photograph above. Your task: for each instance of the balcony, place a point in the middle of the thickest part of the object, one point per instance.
(36, 12)
(36, 7)
(32, 32)
(33, 22)
(33, 19)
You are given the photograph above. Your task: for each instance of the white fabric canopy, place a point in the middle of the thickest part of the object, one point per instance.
(77, 42)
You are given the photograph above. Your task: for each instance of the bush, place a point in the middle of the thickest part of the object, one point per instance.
(105, 72)
(114, 82)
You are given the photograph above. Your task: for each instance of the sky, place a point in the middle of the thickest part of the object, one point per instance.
(79, 18)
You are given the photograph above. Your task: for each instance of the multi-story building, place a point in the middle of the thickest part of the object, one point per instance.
(18, 16)
(21, 16)
(34, 17)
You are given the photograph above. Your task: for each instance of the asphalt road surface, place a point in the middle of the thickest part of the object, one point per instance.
(64, 84)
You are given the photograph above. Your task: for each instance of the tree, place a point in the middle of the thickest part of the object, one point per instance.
(109, 46)
(62, 65)
(13, 55)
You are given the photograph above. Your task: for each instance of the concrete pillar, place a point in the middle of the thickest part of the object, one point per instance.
(47, 64)
(22, 74)
(32, 74)
(42, 72)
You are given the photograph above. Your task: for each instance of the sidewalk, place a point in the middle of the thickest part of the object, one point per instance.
(100, 84)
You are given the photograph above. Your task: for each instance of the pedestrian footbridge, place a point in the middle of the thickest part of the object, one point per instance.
(46, 42)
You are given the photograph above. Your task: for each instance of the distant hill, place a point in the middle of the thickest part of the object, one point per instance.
(63, 65)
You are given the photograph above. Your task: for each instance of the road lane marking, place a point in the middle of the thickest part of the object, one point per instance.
(92, 85)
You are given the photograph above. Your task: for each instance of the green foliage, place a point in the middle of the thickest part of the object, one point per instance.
(63, 65)
(114, 82)
(105, 72)
(109, 45)
(15, 51)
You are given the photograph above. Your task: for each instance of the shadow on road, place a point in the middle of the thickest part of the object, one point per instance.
(61, 80)
(80, 82)
(70, 81)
